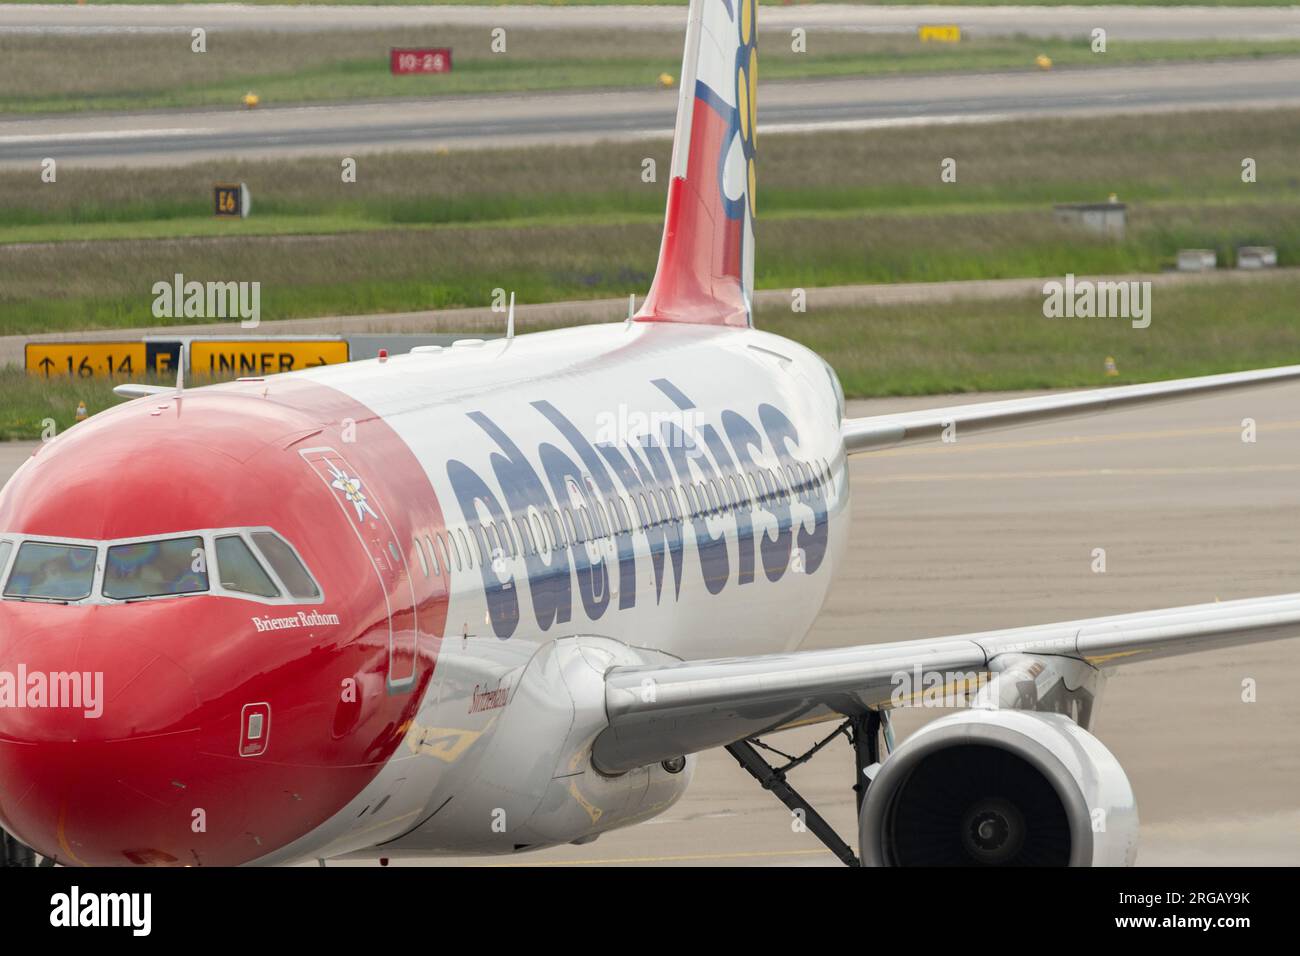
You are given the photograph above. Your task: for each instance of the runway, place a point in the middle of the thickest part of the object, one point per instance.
(999, 531)
(512, 119)
(1121, 23)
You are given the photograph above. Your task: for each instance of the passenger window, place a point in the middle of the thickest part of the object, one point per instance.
(53, 572)
(654, 509)
(285, 563)
(419, 552)
(774, 482)
(464, 546)
(718, 494)
(455, 550)
(433, 555)
(155, 569)
(239, 571)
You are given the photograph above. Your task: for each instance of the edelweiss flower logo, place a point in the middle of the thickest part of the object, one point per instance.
(747, 94)
(351, 488)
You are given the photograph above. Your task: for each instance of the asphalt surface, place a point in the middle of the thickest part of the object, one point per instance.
(1127, 23)
(524, 119)
(998, 531)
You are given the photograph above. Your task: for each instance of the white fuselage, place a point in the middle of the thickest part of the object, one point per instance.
(606, 413)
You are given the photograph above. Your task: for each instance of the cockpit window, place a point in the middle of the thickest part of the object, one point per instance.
(286, 564)
(5, 548)
(239, 571)
(156, 569)
(53, 572)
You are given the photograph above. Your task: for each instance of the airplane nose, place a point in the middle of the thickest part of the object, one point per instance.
(100, 754)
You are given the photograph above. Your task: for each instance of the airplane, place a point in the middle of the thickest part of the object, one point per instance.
(498, 596)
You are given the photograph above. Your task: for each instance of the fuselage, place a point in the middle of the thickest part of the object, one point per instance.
(465, 518)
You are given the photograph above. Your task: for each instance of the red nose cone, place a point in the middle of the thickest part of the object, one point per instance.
(101, 753)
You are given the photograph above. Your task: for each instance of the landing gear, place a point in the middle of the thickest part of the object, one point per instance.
(862, 731)
(13, 853)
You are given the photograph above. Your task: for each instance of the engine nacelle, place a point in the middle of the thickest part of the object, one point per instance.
(999, 788)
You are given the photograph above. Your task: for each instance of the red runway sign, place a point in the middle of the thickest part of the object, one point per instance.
(433, 60)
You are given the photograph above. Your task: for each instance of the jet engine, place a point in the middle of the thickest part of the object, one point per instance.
(999, 788)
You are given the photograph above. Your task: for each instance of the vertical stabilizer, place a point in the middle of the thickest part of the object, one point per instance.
(706, 261)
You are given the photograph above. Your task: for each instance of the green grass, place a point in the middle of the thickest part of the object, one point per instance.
(995, 345)
(108, 284)
(148, 71)
(27, 403)
(932, 348)
(1024, 165)
(420, 231)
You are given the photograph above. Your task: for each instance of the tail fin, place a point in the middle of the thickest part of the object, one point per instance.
(706, 262)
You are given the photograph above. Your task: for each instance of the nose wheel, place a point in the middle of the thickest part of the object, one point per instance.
(13, 853)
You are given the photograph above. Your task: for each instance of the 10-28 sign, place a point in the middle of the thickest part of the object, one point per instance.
(430, 60)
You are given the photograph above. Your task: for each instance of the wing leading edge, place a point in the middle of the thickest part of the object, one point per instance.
(907, 428)
(659, 712)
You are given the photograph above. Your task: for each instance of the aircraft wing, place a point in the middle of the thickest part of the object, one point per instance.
(908, 428)
(657, 712)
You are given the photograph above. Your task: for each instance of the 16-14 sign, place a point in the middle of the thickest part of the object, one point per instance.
(432, 60)
(95, 359)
